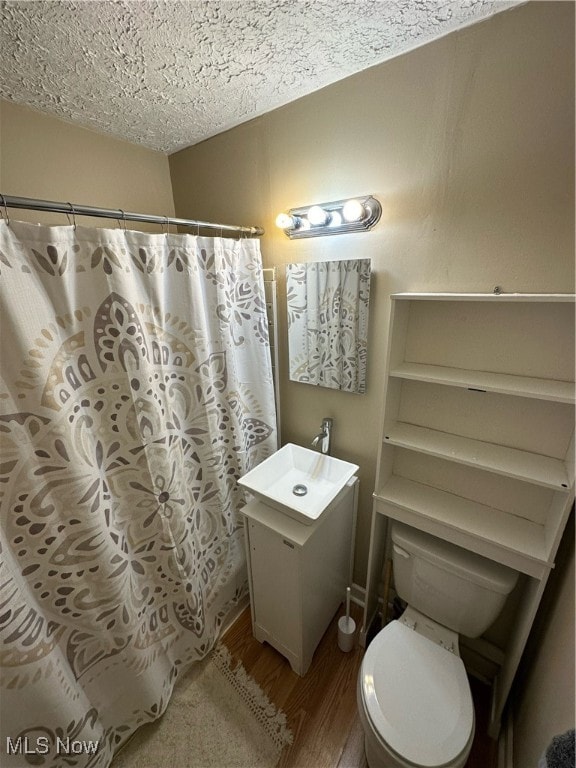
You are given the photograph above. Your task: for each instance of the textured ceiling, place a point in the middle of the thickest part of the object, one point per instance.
(170, 74)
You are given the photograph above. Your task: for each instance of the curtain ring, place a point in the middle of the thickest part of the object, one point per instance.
(167, 226)
(5, 210)
(73, 216)
(123, 220)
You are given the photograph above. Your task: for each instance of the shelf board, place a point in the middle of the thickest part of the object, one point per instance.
(499, 383)
(502, 531)
(495, 297)
(510, 462)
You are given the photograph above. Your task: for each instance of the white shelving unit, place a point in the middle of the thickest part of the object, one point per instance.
(477, 440)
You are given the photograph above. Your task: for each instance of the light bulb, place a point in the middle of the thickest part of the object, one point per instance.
(335, 219)
(284, 221)
(353, 210)
(317, 216)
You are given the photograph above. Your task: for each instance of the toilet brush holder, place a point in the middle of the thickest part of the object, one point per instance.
(346, 633)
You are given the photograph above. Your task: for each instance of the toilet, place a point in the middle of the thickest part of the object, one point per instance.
(414, 698)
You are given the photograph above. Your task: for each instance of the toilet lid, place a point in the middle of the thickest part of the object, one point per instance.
(417, 696)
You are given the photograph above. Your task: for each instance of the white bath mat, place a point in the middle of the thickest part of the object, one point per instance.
(218, 718)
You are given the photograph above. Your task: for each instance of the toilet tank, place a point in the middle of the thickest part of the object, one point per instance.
(456, 588)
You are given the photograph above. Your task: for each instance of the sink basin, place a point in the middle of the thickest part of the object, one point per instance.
(299, 482)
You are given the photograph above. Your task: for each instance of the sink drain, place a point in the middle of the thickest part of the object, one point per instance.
(300, 489)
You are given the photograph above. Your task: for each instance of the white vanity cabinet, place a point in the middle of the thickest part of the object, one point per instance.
(477, 443)
(298, 573)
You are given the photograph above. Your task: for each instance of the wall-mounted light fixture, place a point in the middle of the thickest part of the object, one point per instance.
(355, 215)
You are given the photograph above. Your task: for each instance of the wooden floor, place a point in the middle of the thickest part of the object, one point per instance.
(321, 706)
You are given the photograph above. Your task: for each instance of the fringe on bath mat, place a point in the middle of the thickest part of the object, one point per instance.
(272, 719)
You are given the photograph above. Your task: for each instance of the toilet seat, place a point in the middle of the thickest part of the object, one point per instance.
(417, 697)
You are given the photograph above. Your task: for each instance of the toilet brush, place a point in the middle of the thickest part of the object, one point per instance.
(346, 627)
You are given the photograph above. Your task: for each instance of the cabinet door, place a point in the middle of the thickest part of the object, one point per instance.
(276, 586)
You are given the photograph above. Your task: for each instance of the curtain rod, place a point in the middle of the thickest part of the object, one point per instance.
(8, 201)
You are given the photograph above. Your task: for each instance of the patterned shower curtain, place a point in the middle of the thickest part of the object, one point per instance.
(135, 389)
(328, 323)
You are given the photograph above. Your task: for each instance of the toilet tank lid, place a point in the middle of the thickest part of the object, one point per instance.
(462, 562)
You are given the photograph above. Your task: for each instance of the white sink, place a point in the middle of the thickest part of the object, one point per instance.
(278, 480)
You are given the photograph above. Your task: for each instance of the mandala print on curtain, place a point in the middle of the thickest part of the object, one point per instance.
(328, 323)
(136, 388)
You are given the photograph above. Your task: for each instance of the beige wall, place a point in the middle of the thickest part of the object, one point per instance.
(545, 698)
(47, 158)
(468, 143)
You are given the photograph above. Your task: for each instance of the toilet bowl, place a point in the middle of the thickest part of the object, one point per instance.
(414, 700)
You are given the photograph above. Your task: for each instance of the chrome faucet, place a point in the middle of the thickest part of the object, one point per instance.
(323, 437)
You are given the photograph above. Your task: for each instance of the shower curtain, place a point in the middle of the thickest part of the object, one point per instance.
(328, 323)
(136, 388)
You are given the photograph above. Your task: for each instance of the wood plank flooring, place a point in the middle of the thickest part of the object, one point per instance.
(321, 706)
